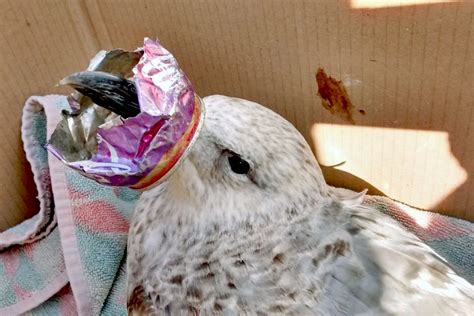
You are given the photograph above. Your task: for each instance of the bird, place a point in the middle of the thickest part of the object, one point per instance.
(247, 225)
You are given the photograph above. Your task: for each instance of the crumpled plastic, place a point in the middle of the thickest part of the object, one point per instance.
(138, 151)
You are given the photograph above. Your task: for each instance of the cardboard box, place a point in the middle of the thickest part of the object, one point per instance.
(406, 66)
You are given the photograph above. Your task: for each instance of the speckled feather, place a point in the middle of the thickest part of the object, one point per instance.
(208, 241)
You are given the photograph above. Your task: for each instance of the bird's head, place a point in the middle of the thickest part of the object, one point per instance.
(247, 152)
(244, 154)
(219, 153)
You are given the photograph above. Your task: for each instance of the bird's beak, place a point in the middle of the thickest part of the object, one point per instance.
(112, 92)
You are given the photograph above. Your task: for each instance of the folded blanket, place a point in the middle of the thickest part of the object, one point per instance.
(69, 258)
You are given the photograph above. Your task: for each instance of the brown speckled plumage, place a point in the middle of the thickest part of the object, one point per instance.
(208, 241)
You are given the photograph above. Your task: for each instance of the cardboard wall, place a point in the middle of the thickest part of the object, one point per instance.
(408, 67)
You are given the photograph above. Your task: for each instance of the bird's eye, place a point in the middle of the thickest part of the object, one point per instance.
(238, 165)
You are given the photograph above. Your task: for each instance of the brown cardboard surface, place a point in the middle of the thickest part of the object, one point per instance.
(409, 68)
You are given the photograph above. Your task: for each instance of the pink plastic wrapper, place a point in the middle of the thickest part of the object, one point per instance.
(139, 151)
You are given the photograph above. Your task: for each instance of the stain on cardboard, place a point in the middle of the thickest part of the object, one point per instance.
(334, 96)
